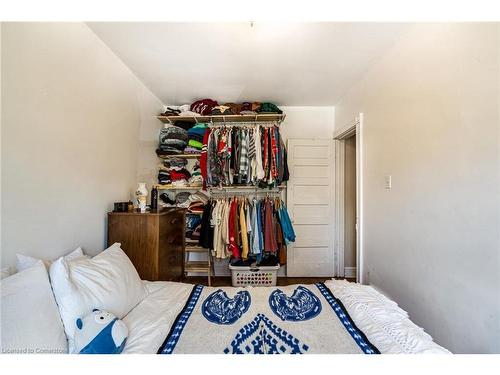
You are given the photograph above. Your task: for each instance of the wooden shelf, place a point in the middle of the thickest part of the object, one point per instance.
(224, 189)
(222, 118)
(183, 156)
(196, 249)
(197, 266)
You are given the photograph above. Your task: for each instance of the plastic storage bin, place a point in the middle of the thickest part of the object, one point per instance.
(254, 275)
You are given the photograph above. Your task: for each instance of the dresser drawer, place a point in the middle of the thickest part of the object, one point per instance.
(153, 241)
(171, 246)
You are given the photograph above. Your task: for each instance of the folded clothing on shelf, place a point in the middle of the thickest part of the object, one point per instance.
(195, 144)
(269, 108)
(165, 151)
(191, 150)
(195, 200)
(164, 177)
(171, 111)
(196, 207)
(246, 106)
(203, 106)
(175, 163)
(221, 110)
(177, 144)
(181, 110)
(197, 129)
(173, 132)
(207, 107)
(234, 108)
(173, 140)
(182, 174)
(196, 177)
(196, 180)
(180, 183)
(182, 197)
(167, 200)
(195, 136)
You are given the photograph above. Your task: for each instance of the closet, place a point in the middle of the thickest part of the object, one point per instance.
(237, 208)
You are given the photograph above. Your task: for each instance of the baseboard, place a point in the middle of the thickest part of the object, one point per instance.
(350, 272)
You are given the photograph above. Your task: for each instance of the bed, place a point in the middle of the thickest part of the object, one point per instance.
(176, 318)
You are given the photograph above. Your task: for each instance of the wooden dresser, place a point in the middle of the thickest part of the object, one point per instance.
(154, 241)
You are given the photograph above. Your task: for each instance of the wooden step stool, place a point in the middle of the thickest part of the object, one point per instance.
(197, 265)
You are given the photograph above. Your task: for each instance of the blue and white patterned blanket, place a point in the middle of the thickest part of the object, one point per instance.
(293, 319)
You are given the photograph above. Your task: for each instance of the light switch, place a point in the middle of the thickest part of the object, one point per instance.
(388, 182)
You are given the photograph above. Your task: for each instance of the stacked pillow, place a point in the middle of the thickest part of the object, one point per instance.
(30, 319)
(24, 261)
(107, 282)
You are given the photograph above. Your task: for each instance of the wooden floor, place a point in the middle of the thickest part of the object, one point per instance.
(282, 281)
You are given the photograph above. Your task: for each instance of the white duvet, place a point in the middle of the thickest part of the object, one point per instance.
(385, 324)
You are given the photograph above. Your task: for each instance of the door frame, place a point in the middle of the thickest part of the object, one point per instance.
(354, 127)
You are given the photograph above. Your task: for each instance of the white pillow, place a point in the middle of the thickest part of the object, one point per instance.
(25, 261)
(30, 320)
(5, 272)
(107, 282)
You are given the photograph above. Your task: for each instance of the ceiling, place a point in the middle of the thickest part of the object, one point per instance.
(286, 63)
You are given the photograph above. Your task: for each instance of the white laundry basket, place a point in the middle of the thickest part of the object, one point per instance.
(254, 275)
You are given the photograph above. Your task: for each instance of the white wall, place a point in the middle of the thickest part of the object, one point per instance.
(71, 118)
(432, 122)
(308, 122)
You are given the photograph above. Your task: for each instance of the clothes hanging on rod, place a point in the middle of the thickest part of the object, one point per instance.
(246, 228)
(244, 155)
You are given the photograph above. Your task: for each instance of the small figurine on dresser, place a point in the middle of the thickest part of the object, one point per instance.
(141, 195)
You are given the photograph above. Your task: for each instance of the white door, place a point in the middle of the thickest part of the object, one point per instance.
(311, 206)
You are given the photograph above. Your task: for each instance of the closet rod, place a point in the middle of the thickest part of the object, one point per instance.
(225, 194)
(264, 124)
(242, 190)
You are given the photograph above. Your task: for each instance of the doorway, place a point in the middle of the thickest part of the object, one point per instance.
(350, 207)
(348, 200)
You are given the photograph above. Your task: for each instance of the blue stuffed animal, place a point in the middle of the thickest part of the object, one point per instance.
(100, 332)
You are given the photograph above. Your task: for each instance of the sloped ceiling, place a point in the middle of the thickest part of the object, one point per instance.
(288, 64)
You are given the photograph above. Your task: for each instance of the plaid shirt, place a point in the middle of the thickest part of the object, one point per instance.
(244, 154)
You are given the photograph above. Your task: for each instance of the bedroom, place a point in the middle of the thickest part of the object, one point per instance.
(380, 168)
